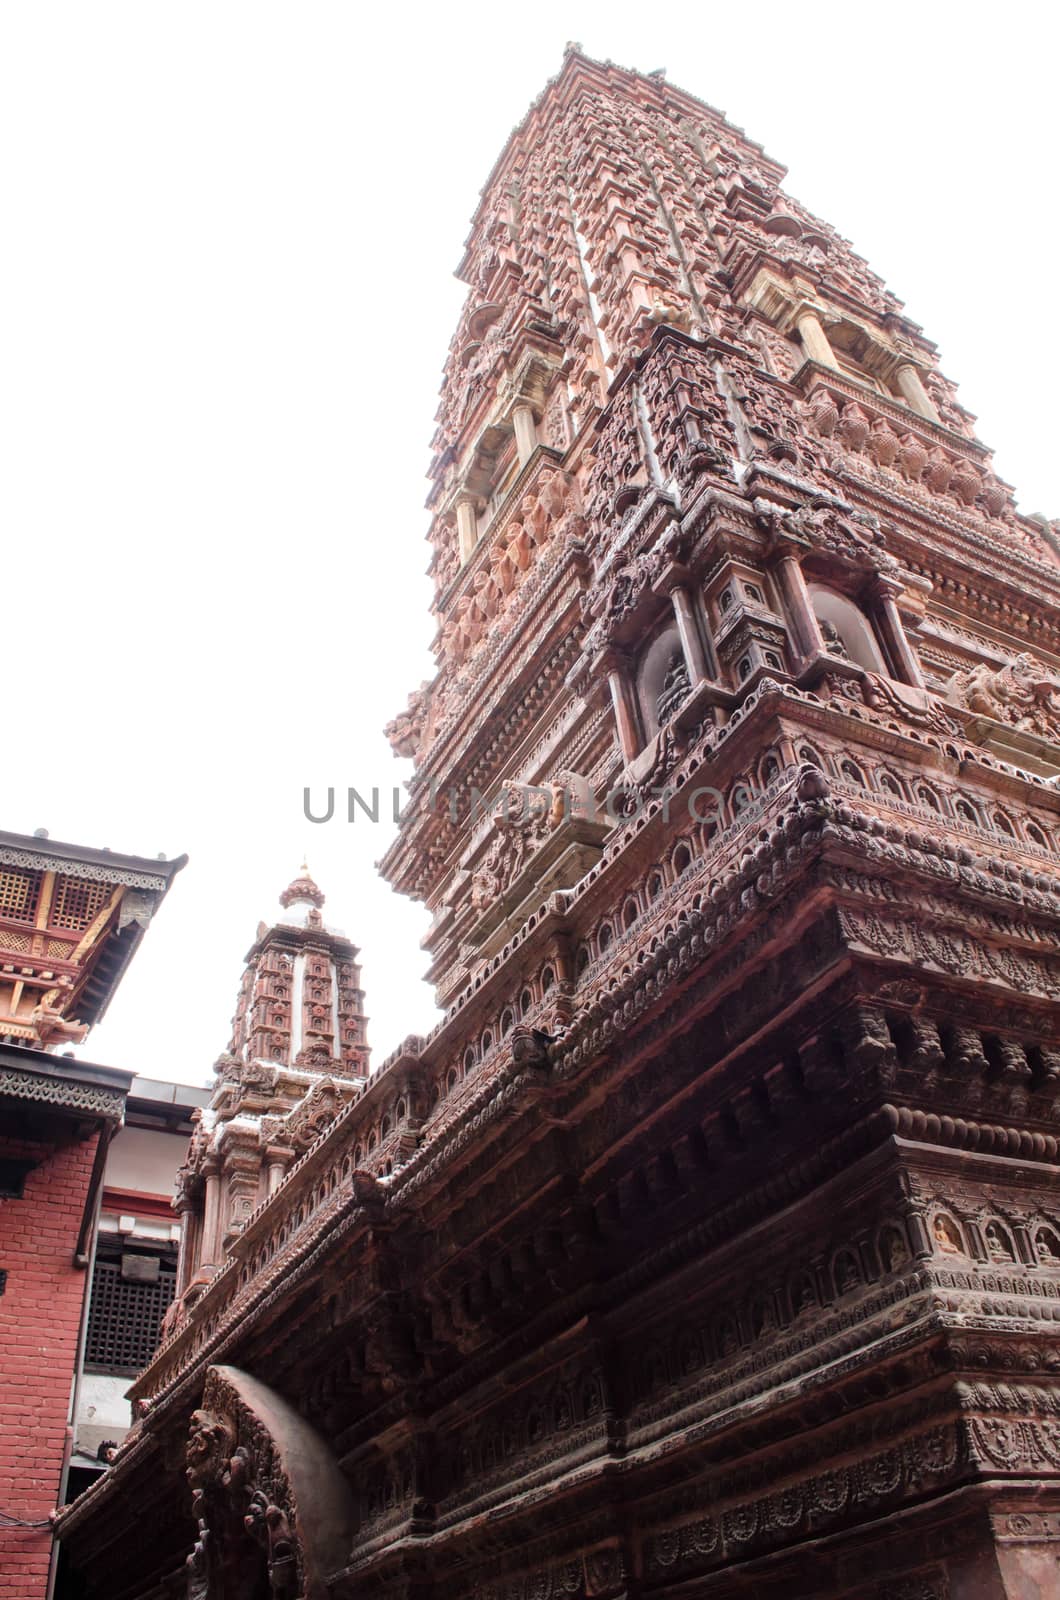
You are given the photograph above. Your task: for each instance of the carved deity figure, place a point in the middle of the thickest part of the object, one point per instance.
(894, 1250)
(947, 1236)
(1048, 1245)
(728, 1337)
(833, 643)
(616, 593)
(998, 1243)
(765, 1318)
(675, 688)
(804, 1297)
(523, 817)
(405, 732)
(847, 1276)
(208, 1452)
(1021, 692)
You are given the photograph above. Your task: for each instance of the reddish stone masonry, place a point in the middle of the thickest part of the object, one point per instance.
(710, 1241)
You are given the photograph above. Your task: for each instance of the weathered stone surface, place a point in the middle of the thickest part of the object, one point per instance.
(710, 1243)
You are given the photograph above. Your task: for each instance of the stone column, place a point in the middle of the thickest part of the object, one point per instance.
(804, 626)
(624, 706)
(467, 525)
(688, 628)
(210, 1251)
(186, 1252)
(904, 657)
(525, 431)
(563, 989)
(815, 340)
(277, 1166)
(911, 388)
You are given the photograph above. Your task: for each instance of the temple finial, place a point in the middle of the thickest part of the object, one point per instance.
(302, 890)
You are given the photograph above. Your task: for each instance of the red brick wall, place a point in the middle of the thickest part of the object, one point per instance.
(40, 1318)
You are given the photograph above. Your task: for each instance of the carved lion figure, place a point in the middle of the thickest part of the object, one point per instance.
(1021, 692)
(405, 732)
(208, 1452)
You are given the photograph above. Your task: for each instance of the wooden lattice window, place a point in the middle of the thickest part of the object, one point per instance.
(77, 902)
(125, 1318)
(19, 894)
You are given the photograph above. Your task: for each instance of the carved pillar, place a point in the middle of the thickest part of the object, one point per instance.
(889, 621)
(815, 340)
(525, 431)
(806, 633)
(911, 388)
(210, 1252)
(466, 525)
(625, 707)
(277, 1160)
(918, 1233)
(563, 962)
(190, 1238)
(688, 628)
(1023, 1245)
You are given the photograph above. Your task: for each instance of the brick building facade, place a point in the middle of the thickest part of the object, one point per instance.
(70, 920)
(709, 1245)
(49, 1169)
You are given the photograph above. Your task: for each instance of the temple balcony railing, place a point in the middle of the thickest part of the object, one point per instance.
(56, 945)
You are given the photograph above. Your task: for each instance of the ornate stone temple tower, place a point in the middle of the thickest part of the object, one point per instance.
(297, 1055)
(710, 1245)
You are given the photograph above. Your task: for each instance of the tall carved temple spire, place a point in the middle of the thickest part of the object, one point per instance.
(691, 456)
(710, 1244)
(298, 1054)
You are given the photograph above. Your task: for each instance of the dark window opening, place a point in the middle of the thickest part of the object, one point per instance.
(125, 1316)
(13, 1175)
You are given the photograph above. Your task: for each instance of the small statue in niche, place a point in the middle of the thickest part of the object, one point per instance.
(833, 643)
(1048, 1245)
(764, 1319)
(894, 1249)
(998, 1244)
(676, 688)
(805, 1296)
(947, 1237)
(728, 1338)
(847, 1276)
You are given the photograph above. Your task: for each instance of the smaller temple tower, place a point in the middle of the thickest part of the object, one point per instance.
(300, 1002)
(297, 1055)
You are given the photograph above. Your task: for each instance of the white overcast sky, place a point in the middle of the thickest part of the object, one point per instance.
(229, 238)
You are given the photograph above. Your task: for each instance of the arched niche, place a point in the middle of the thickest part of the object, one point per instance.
(852, 629)
(663, 680)
(275, 1514)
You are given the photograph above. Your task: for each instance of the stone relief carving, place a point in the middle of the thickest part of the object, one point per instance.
(1021, 692)
(265, 1490)
(405, 732)
(522, 820)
